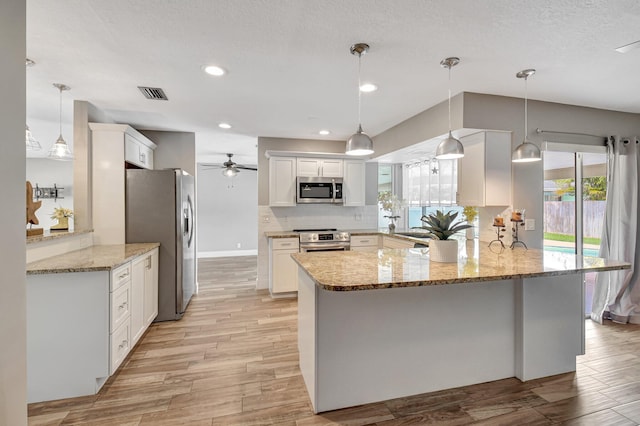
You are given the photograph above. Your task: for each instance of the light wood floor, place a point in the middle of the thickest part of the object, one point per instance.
(232, 360)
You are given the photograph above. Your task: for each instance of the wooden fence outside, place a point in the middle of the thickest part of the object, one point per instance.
(559, 217)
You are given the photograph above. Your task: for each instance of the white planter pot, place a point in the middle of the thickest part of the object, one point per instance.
(443, 251)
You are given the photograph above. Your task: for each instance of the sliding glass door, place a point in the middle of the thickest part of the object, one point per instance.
(575, 194)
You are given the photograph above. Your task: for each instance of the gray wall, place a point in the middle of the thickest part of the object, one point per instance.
(175, 150)
(481, 111)
(227, 210)
(13, 304)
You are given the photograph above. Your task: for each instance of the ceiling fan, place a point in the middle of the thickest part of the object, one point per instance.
(229, 167)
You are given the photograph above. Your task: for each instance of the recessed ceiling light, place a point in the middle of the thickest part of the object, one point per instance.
(368, 87)
(224, 125)
(324, 132)
(214, 70)
(628, 47)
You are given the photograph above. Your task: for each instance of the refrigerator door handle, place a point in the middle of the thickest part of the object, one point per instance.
(189, 221)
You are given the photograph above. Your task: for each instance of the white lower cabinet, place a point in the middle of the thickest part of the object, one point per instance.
(283, 270)
(144, 293)
(365, 242)
(82, 325)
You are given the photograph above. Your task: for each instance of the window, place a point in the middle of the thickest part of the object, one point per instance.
(429, 185)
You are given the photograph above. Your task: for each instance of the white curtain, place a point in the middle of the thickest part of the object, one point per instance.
(617, 293)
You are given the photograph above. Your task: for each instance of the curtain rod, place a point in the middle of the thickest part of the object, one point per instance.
(539, 130)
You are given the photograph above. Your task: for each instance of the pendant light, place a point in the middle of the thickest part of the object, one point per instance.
(526, 152)
(60, 150)
(31, 143)
(360, 143)
(450, 148)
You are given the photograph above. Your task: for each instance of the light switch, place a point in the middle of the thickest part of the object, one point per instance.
(529, 224)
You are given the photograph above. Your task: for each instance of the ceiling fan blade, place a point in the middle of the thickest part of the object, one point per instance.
(238, 166)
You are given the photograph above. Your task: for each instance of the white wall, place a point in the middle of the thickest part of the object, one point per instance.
(45, 173)
(13, 374)
(176, 150)
(227, 213)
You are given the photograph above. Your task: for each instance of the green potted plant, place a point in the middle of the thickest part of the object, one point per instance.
(393, 205)
(440, 227)
(470, 213)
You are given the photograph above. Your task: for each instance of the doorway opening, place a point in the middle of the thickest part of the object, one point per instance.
(575, 197)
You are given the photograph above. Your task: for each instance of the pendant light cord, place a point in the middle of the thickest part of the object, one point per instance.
(449, 98)
(359, 92)
(60, 110)
(525, 108)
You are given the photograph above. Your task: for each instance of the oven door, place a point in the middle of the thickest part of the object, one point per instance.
(307, 248)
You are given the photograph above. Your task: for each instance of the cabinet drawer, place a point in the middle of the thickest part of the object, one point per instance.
(120, 275)
(120, 306)
(364, 240)
(285, 244)
(120, 345)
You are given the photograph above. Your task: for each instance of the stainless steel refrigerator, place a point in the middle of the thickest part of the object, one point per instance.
(160, 208)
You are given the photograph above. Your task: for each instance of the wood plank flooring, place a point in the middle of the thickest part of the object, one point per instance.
(233, 360)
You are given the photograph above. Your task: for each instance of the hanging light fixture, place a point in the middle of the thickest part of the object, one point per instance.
(31, 143)
(526, 151)
(229, 172)
(450, 148)
(360, 143)
(60, 150)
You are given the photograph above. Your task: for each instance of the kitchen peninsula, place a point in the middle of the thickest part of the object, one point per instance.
(380, 325)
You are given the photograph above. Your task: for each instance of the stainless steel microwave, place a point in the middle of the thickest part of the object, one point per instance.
(318, 190)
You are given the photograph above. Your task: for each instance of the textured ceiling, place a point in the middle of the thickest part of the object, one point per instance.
(290, 72)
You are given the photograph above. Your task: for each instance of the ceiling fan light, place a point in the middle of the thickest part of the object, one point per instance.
(229, 172)
(449, 149)
(526, 152)
(359, 144)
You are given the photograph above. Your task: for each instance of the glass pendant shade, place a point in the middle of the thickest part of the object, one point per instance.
(229, 172)
(31, 143)
(449, 149)
(525, 153)
(60, 150)
(359, 144)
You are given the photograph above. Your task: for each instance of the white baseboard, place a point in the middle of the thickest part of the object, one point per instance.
(227, 253)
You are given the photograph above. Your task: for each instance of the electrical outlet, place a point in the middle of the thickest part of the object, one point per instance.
(529, 224)
(358, 217)
(238, 245)
(266, 219)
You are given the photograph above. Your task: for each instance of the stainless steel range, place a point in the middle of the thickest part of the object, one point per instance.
(323, 240)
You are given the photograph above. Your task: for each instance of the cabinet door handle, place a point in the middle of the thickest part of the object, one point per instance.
(364, 241)
(121, 276)
(285, 244)
(148, 262)
(123, 344)
(123, 305)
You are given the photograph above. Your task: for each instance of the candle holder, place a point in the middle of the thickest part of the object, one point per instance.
(499, 236)
(514, 228)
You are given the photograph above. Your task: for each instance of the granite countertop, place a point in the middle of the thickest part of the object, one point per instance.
(356, 232)
(94, 258)
(54, 235)
(387, 268)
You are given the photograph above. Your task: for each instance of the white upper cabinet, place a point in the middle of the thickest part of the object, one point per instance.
(282, 181)
(327, 167)
(484, 173)
(354, 183)
(138, 151)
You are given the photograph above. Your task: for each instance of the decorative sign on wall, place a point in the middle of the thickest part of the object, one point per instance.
(54, 192)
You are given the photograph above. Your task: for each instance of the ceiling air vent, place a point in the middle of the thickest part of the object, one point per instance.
(153, 93)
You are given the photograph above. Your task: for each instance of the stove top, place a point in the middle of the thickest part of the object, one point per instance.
(316, 230)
